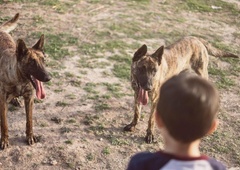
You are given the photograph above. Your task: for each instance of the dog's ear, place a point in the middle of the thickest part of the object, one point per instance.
(142, 51)
(39, 44)
(158, 54)
(21, 49)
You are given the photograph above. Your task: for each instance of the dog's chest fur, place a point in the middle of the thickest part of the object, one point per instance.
(11, 82)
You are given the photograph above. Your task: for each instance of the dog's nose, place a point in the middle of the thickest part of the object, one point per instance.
(47, 78)
(148, 87)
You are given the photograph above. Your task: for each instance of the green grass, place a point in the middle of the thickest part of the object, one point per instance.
(75, 83)
(68, 74)
(205, 6)
(51, 2)
(236, 34)
(95, 51)
(101, 106)
(38, 19)
(68, 142)
(65, 130)
(56, 120)
(84, 62)
(121, 71)
(115, 45)
(90, 88)
(71, 121)
(70, 96)
(124, 58)
(217, 43)
(114, 90)
(94, 97)
(134, 30)
(56, 74)
(90, 119)
(225, 76)
(97, 129)
(138, 2)
(225, 139)
(59, 6)
(90, 157)
(43, 124)
(101, 64)
(61, 104)
(234, 69)
(223, 81)
(94, 1)
(106, 151)
(12, 108)
(117, 141)
(58, 90)
(92, 49)
(4, 19)
(56, 45)
(84, 72)
(122, 66)
(20, 1)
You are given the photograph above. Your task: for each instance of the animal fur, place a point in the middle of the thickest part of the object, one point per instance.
(148, 72)
(22, 71)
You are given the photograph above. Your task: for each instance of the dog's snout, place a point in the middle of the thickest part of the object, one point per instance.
(147, 88)
(48, 78)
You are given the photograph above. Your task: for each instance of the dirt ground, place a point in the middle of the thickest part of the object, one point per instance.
(76, 129)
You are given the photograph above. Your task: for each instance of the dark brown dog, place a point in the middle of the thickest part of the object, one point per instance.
(21, 71)
(148, 72)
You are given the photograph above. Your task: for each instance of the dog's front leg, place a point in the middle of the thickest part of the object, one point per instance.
(151, 122)
(137, 111)
(29, 129)
(4, 124)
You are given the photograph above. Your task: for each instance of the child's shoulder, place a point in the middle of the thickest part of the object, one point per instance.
(216, 165)
(147, 160)
(159, 160)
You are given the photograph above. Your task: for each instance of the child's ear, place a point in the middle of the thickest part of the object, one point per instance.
(159, 121)
(213, 127)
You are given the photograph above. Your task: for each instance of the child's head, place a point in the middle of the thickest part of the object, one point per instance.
(187, 107)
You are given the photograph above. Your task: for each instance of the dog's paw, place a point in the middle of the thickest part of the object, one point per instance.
(31, 140)
(129, 128)
(149, 138)
(4, 143)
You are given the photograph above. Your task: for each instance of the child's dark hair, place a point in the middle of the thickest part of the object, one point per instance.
(187, 106)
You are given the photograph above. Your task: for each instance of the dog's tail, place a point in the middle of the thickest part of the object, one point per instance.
(217, 52)
(10, 24)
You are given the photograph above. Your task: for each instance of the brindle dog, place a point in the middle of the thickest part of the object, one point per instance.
(148, 72)
(21, 71)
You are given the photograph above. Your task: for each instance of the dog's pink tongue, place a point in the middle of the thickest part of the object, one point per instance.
(142, 96)
(40, 90)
